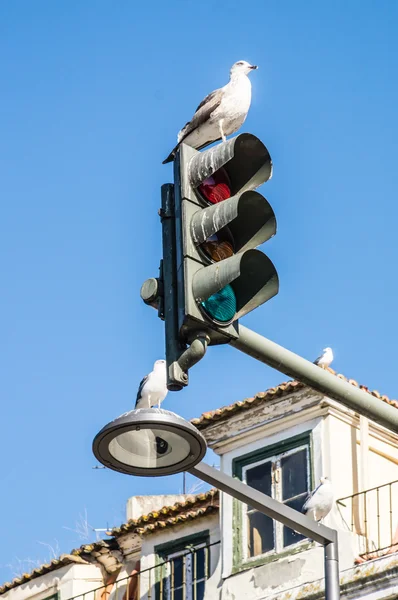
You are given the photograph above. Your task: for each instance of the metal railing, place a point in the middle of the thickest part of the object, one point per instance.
(161, 581)
(373, 515)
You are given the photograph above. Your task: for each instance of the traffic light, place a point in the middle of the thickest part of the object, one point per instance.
(219, 221)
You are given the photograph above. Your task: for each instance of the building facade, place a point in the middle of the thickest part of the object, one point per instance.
(211, 546)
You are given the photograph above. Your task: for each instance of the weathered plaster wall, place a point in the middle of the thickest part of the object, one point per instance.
(69, 581)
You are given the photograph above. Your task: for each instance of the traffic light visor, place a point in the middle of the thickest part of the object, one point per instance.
(244, 159)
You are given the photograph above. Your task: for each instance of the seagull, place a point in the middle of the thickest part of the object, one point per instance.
(319, 502)
(153, 388)
(221, 113)
(325, 359)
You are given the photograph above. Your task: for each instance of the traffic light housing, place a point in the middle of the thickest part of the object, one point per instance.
(219, 221)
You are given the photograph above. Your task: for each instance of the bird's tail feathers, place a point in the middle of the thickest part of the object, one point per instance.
(171, 156)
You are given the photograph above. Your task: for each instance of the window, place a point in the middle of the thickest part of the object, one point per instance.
(184, 570)
(282, 472)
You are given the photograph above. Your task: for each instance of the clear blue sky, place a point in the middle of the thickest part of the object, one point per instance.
(92, 96)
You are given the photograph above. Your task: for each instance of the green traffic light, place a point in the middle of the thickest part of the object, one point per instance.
(221, 306)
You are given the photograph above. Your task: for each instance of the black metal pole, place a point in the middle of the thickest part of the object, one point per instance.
(176, 377)
(326, 383)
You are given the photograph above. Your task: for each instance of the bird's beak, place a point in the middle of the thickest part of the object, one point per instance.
(254, 67)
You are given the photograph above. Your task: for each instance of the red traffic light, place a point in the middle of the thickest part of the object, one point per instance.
(216, 188)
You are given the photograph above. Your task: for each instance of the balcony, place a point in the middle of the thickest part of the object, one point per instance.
(373, 516)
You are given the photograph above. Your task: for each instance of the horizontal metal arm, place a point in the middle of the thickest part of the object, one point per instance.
(265, 504)
(326, 383)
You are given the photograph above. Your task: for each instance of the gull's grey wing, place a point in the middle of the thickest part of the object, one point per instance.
(310, 495)
(209, 98)
(202, 113)
(142, 383)
(316, 361)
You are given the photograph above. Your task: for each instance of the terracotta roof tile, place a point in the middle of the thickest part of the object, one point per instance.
(283, 389)
(57, 563)
(180, 512)
(99, 546)
(376, 554)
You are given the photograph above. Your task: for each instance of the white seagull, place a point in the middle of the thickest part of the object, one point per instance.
(325, 359)
(153, 388)
(221, 113)
(319, 502)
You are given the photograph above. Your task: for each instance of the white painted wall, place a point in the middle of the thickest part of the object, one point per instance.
(344, 449)
(137, 506)
(68, 581)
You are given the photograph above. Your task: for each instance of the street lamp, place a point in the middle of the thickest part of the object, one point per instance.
(149, 442)
(152, 442)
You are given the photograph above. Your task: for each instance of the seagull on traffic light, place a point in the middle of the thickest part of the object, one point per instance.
(319, 502)
(153, 388)
(325, 359)
(221, 113)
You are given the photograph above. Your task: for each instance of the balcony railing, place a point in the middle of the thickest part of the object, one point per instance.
(181, 577)
(373, 515)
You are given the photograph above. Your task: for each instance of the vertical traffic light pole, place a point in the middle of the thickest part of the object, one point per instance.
(179, 358)
(176, 378)
(326, 383)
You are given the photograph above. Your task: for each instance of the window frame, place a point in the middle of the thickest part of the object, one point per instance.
(240, 465)
(276, 489)
(180, 547)
(54, 596)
